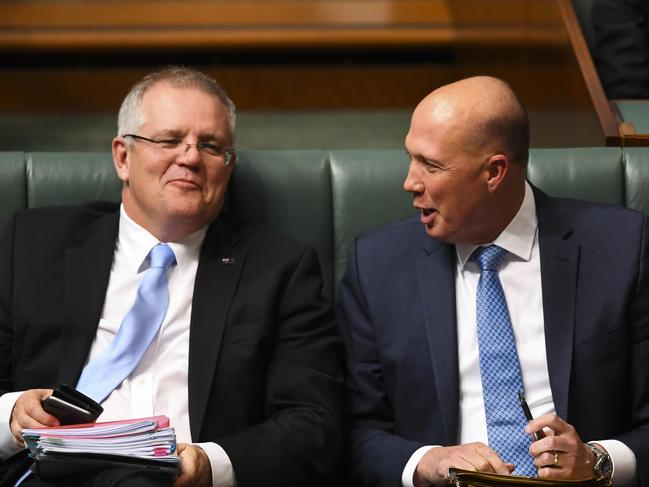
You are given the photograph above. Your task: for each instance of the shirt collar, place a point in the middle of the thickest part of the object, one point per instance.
(517, 238)
(140, 241)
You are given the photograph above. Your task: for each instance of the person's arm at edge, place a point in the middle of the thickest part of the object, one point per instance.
(407, 479)
(624, 462)
(8, 399)
(370, 435)
(621, 47)
(222, 471)
(627, 447)
(305, 424)
(7, 402)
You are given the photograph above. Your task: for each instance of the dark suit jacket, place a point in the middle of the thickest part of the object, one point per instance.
(264, 357)
(621, 46)
(398, 315)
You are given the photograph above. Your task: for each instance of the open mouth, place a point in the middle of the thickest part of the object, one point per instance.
(427, 215)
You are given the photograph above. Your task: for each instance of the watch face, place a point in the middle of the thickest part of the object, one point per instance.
(603, 465)
(607, 466)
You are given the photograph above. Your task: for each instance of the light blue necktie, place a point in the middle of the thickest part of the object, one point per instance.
(499, 367)
(135, 334)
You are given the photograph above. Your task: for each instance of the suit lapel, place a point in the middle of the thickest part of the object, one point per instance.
(87, 270)
(217, 276)
(559, 271)
(436, 275)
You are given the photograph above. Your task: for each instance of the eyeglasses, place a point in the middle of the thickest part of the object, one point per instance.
(174, 147)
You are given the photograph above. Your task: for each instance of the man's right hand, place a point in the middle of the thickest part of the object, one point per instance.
(433, 466)
(29, 413)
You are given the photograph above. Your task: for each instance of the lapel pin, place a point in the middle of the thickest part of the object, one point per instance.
(228, 260)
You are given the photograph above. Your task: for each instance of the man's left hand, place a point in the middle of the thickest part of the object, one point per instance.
(195, 468)
(561, 454)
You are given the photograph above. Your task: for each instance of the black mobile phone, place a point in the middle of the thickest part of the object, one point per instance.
(71, 406)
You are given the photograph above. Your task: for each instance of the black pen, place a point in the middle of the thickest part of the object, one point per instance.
(528, 415)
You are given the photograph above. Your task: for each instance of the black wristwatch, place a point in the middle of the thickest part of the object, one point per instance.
(603, 467)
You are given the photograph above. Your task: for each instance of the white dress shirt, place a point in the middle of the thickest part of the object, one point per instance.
(520, 276)
(158, 385)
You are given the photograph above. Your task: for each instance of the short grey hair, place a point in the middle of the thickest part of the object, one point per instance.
(130, 117)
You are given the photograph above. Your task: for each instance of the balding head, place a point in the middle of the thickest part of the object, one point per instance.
(488, 113)
(468, 144)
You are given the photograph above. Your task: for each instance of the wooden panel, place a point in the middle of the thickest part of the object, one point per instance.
(255, 39)
(294, 55)
(617, 132)
(123, 13)
(542, 77)
(633, 117)
(120, 24)
(606, 116)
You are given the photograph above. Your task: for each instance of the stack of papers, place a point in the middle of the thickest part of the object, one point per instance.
(137, 443)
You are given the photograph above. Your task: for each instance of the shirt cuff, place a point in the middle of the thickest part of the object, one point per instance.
(7, 402)
(222, 471)
(409, 470)
(624, 462)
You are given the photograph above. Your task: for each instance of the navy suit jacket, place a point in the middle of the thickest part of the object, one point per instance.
(265, 379)
(398, 316)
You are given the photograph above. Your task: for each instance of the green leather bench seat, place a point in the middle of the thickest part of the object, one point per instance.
(322, 197)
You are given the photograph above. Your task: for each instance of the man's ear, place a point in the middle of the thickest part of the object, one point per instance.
(120, 158)
(497, 167)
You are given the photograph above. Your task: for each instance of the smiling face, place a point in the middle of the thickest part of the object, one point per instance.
(174, 194)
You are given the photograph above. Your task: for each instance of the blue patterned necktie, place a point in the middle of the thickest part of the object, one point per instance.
(138, 329)
(499, 367)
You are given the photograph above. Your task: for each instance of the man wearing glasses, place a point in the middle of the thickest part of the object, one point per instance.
(244, 357)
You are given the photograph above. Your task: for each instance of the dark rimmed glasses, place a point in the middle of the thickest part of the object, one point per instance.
(174, 147)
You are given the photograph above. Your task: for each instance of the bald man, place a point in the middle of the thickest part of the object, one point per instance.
(424, 380)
